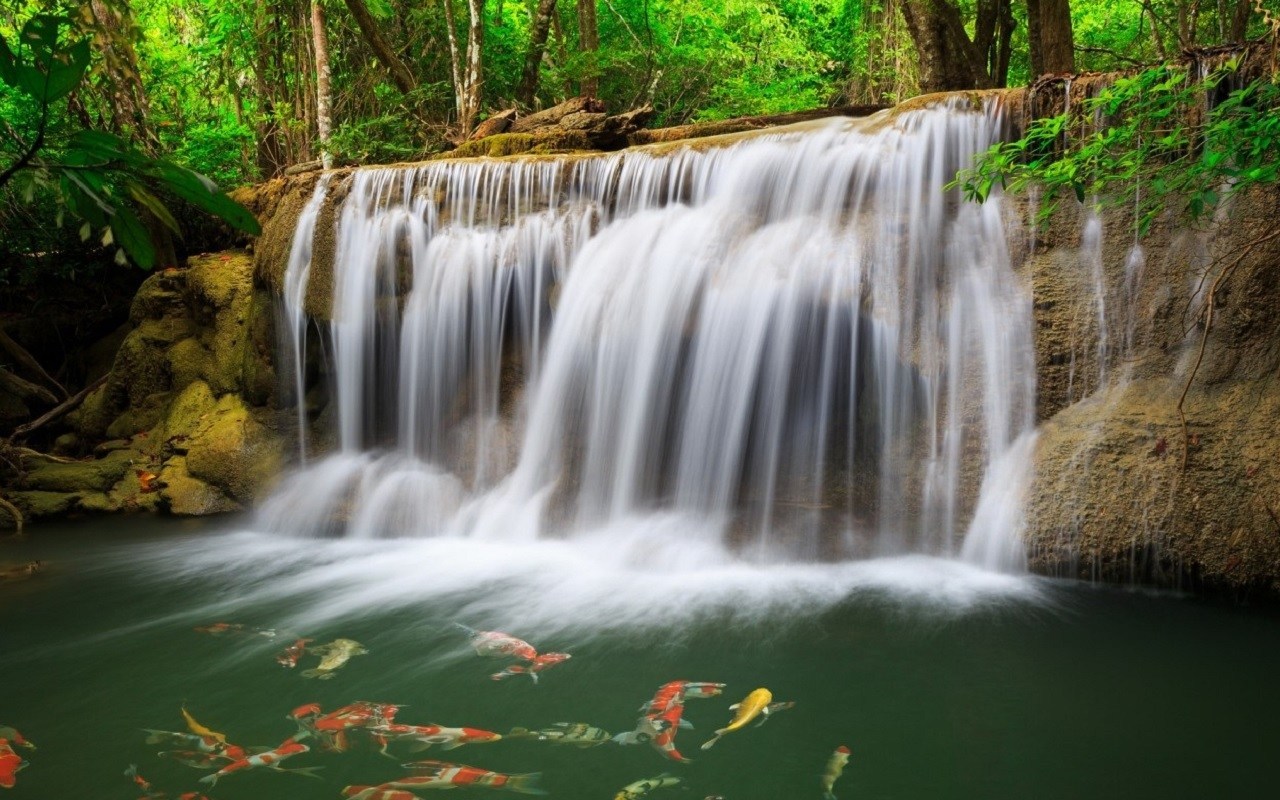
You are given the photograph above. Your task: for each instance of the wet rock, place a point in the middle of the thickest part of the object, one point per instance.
(234, 452)
(36, 504)
(80, 476)
(187, 496)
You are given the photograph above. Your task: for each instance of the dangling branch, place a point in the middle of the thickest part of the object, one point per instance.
(1204, 337)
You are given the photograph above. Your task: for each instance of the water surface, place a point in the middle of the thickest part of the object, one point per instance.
(943, 681)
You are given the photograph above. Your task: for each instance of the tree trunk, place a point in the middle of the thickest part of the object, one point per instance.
(589, 42)
(1240, 20)
(382, 50)
(1056, 40)
(949, 61)
(323, 121)
(455, 60)
(537, 46)
(475, 66)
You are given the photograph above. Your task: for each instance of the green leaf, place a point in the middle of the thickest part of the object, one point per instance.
(150, 202)
(200, 192)
(133, 238)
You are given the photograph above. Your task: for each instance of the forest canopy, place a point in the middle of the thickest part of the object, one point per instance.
(242, 90)
(229, 87)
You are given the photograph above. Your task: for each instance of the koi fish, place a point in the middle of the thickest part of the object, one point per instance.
(377, 793)
(666, 726)
(835, 767)
(331, 729)
(288, 657)
(752, 706)
(200, 730)
(538, 664)
(443, 775)
(424, 736)
(578, 734)
(142, 783)
(10, 764)
(638, 789)
(333, 656)
(676, 692)
(195, 744)
(496, 644)
(224, 628)
(270, 759)
(15, 738)
(20, 572)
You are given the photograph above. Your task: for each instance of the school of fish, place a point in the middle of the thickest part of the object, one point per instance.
(374, 725)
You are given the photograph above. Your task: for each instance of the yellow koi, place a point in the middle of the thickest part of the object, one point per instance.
(200, 730)
(752, 706)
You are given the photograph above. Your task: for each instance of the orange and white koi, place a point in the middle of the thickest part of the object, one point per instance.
(288, 657)
(332, 729)
(835, 768)
(443, 775)
(378, 793)
(496, 644)
(538, 664)
(270, 759)
(425, 736)
(676, 692)
(10, 764)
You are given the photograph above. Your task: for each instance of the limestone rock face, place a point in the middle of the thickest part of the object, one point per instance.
(186, 408)
(1122, 493)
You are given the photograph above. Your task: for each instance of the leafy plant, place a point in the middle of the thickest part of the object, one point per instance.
(1156, 139)
(95, 177)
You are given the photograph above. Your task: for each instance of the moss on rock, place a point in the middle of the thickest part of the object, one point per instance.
(39, 503)
(188, 496)
(233, 451)
(80, 476)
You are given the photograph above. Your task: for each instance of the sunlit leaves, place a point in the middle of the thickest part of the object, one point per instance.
(1152, 141)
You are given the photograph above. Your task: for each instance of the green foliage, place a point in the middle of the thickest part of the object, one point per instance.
(1155, 139)
(94, 177)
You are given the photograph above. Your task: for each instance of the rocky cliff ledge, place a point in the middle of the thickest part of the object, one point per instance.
(183, 421)
(1121, 494)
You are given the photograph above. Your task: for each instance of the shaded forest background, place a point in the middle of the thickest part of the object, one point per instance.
(229, 87)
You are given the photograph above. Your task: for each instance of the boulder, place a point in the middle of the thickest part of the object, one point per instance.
(184, 495)
(233, 451)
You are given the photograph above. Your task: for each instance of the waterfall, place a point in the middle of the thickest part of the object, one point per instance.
(798, 345)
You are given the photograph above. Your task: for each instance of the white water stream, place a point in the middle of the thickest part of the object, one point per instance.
(794, 348)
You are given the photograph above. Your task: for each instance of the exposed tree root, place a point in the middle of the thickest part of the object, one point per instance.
(1207, 316)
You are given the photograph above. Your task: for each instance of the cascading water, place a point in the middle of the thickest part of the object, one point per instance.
(794, 347)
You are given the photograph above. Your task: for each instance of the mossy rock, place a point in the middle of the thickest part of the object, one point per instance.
(80, 476)
(94, 414)
(159, 296)
(234, 452)
(186, 414)
(140, 417)
(36, 504)
(187, 361)
(510, 144)
(221, 295)
(141, 369)
(187, 496)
